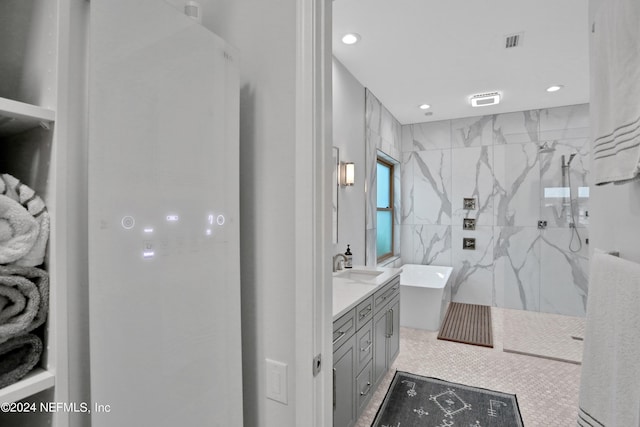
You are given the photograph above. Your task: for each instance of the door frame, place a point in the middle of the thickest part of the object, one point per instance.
(313, 226)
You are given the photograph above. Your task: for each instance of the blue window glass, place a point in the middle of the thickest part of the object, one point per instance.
(384, 233)
(384, 185)
(384, 205)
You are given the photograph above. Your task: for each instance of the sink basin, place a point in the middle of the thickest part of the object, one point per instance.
(360, 275)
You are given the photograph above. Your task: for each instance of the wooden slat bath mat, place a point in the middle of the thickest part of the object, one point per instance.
(468, 324)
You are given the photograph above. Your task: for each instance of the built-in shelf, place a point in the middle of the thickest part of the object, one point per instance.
(17, 117)
(34, 382)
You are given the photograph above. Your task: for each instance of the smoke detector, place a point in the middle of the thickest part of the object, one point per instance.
(485, 99)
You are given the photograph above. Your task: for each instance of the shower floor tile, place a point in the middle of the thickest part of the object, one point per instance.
(543, 335)
(547, 390)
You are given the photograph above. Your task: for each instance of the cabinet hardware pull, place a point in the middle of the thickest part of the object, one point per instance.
(366, 349)
(391, 323)
(334, 389)
(365, 313)
(340, 337)
(364, 393)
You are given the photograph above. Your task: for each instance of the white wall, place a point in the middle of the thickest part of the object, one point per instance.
(348, 136)
(265, 34)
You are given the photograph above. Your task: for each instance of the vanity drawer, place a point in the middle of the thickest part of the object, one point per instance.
(364, 346)
(386, 294)
(364, 312)
(343, 328)
(364, 387)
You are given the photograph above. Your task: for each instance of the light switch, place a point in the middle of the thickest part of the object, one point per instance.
(277, 381)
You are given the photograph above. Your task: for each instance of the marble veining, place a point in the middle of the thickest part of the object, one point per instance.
(495, 159)
(473, 270)
(407, 179)
(564, 276)
(383, 133)
(473, 176)
(518, 127)
(432, 244)
(427, 136)
(516, 256)
(432, 187)
(472, 131)
(556, 210)
(517, 184)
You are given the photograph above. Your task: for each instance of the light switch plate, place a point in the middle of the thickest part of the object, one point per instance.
(277, 381)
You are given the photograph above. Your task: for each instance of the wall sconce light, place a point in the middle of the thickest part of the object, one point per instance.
(347, 174)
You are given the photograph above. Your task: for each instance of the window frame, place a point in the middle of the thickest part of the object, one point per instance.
(391, 167)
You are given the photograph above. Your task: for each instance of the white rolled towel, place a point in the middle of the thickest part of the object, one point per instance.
(18, 231)
(11, 187)
(28, 311)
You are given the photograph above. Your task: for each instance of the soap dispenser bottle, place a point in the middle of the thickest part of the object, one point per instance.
(349, 258)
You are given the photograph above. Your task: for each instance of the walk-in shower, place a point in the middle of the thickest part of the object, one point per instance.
(575, 235)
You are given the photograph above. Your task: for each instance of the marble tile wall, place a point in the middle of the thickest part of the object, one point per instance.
(495, 160)
(383, 136)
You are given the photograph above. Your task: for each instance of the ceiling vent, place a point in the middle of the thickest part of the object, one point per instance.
(485, 99)
(513, 40)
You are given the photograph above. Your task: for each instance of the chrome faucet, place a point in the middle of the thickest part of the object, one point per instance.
(335, 257)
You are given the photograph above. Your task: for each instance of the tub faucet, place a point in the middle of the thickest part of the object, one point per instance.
(336, 258)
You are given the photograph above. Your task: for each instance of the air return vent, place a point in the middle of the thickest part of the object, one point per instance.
(513, 40)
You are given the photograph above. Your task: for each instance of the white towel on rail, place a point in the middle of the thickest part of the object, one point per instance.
(33, 204)
(610, 381)
(615, 91)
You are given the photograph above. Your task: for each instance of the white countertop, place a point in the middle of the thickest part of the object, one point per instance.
(349, 293)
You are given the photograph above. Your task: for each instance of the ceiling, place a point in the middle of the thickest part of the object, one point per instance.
(441, 52)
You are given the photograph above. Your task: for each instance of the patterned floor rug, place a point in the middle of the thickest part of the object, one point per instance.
(414, 400)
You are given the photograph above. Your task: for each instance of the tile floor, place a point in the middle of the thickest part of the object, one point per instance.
(547, 390)
(543, 334)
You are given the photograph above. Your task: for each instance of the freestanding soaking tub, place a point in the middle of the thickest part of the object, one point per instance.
(425, 292)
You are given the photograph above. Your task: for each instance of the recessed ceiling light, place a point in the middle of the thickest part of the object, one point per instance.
(351, 38)
(554, 88)
(425, 106)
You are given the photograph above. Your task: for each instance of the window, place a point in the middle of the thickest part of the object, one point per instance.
(384, 238)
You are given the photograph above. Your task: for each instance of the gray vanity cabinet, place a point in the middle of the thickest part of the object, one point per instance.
(394, 337)
(366, 341)
(386, 333)
(344, 395)
(380, 328)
